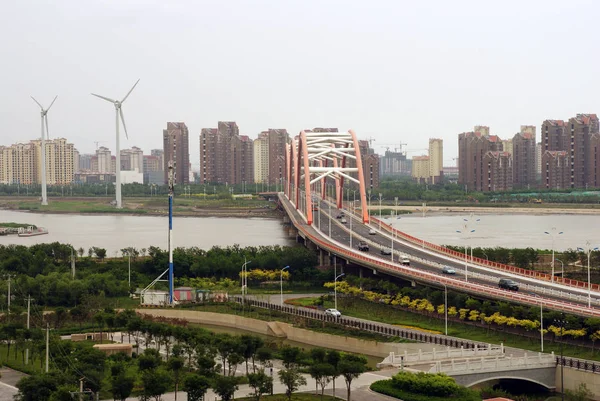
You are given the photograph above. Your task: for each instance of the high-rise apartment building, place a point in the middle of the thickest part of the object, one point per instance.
(176, 149)
(278, 138)
(420, 169)
(160, 154)
(482, 129)
(59, 161)
(507, 145)
(554, 135)
(499, 174)
(523, 155)
(370, 165)
(472, 147)
(102, 161)
(85, 162)
(261, 158)
(394, 164)
(132, 159)
(75, 161)
(436, 160)
(556, 170)
(225, 156)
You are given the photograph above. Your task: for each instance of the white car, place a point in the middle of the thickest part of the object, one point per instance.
(372, 232)
(333, 312)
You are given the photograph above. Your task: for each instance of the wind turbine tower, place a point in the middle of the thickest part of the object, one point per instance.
(119, 113)
(44, 114)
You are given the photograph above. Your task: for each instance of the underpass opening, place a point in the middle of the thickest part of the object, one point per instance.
(514, 386)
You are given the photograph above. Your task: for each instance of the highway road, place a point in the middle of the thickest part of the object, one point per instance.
(532, 291)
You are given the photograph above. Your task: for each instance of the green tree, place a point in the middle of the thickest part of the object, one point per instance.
(292, 380)
(350, 368)
(38, 387)
(121, 384)
(323, 374)
(176, 366)
(225, 387)
(261, 383)
(195, 386)
(155, 383)
(333, 358)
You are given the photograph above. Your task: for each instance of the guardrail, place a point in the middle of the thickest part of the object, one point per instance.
(588, 366)
(382, 329)
(485, 262)
(495, 364)
(394, 359)
(407, 271)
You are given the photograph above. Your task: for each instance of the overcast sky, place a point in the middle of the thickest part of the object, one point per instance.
(395, 71)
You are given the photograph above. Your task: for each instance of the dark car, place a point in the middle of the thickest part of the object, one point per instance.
(363, 246)
(508, 284)
(339, 216)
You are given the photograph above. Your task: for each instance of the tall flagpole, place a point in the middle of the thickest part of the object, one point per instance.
(171, 193)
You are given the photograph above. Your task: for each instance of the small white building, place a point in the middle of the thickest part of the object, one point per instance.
(154, 298)
(132, 176)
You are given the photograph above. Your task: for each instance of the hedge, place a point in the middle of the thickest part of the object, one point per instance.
(386, 387)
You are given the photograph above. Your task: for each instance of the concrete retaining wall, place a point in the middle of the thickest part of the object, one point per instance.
(284, 330)
(574, 377)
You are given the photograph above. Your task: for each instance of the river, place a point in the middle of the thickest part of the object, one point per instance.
(114, 232)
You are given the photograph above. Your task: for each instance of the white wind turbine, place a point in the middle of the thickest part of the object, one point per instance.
(119, 113)
(44, 114)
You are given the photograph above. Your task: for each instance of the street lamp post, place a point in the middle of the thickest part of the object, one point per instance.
(335, 290)
(369, 206)
(562, 269)
(329, 203)
(380, 210)
(465, 231)
(589, 251)
(541, 322)
(281, 283)
(351, 218)
(561, 322)
(445, 309)
(392, 228)
(245, 280)
(553, 234)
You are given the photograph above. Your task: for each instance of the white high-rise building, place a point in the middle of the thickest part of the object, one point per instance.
(436, 159)
(104, 160)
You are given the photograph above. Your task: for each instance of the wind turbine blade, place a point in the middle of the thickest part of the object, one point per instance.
(123, 121)
(52, 103)
(47, 132)
(38, 103)
(105, 98)
(130, 90)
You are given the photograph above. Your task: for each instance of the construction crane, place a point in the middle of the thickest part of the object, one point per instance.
(97, 142)
(396, 149)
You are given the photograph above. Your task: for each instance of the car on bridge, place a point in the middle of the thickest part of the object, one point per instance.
(386, 251)
(508, 284)
(405, 261)
(333, 312)
(339, 216)
(363, 246)
(372, 232)
(448, 270)
(343, 220)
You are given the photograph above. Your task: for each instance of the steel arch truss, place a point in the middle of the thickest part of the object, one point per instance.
(313, 159)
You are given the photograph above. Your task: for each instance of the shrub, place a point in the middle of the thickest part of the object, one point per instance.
(424, 383)
(386, 387)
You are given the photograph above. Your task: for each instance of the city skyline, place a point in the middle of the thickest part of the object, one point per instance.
(450, 65)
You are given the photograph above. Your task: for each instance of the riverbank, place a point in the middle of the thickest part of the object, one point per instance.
(149, 206)
(517, 208)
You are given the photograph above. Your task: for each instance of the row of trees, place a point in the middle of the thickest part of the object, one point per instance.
(195, 360)
(44, 270)
(527, 257)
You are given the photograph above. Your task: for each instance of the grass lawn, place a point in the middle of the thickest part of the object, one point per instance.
(386, 314)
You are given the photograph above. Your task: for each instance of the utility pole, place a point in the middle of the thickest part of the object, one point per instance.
(72, 264)
(8, 294)
(47, 345)
(28, 312)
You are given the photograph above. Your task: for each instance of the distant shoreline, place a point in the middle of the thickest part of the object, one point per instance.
(450, 210)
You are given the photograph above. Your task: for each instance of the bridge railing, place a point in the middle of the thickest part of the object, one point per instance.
(407, 271)
(581, 364)
(485, 262)
(493, 364)
(491, 279)
(394, 359)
